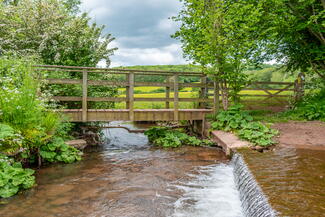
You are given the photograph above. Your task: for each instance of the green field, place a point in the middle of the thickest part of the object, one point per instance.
(187, 93)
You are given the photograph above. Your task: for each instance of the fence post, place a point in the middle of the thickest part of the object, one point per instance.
(131, 96)
(168, 81)
(84, 96)
(127, 90)
(299, 87)
(203, 91)
(216, 97)
(176, 117)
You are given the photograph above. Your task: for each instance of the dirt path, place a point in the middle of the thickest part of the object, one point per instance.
(310, 135)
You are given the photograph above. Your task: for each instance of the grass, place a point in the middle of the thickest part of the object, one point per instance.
(250, 102)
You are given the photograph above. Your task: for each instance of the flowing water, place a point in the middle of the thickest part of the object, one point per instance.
(292, 178)
(126, 177)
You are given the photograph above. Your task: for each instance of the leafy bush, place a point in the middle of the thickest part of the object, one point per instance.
(58, 151)
(10, 141)
(242, 124)
(311, 108)
(232, 119)
(257, 133)
(13, 177)
(28, 126)
(168, 138)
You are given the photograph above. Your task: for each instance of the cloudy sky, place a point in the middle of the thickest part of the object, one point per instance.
(141, 28)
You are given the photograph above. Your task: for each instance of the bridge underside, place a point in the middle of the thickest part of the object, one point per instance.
(138, 114)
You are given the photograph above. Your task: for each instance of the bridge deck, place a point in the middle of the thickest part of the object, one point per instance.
(138, 114)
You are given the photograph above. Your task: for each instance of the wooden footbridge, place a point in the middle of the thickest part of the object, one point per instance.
(127, 79)
(206, 100)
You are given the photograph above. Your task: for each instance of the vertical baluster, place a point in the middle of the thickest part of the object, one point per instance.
(131, 96)
(176, 115)
(84, 96)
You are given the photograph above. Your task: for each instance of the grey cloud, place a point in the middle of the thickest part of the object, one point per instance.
(139, 26)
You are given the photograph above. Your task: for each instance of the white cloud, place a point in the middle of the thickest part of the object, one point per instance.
(142, 30)
(168, 55)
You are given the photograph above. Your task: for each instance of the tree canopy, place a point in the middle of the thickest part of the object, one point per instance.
(228, 34)
(54, 31)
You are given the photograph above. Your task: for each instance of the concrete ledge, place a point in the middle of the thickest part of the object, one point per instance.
(228, 141)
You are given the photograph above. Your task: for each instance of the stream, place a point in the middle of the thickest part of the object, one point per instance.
(126, 177)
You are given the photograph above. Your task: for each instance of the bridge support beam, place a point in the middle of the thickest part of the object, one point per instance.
(84, 95)
(176, 104)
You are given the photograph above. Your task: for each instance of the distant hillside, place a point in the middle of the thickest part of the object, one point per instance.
(176, 68)
(264, 73)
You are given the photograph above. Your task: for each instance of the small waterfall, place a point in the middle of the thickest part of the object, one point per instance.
(254, 202)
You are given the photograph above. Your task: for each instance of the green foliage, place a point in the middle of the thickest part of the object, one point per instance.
(168, 138)
(10, 140)
(28, 122)
(257, 134)
(57, 33)
(312, 107)
(241, 123)
(21, 105)
(232, 119)
(58, 151)
(13, 177)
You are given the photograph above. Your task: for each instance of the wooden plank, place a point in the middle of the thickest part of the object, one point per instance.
(176, 116)
(172, 99)
(271, 82)
(119, 70)
(84, 95)
(63, 81)
(254, 95)
(131, 96)
(108, 83)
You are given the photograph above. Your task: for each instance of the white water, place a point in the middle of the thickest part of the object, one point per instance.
(211, 193)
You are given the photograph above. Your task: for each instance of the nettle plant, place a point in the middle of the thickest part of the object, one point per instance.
(241, 123)
(169, 138)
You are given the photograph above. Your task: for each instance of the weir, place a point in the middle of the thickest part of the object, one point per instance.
(254, 202)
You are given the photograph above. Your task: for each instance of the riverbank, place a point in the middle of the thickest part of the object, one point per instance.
(298, 134)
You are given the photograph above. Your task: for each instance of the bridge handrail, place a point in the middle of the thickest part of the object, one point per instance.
(112, 70)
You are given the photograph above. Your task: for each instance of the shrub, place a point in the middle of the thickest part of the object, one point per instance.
(13, 177)
(312, 107)
(58, 151)
(257, 133)
(10, 140)
(168, 138)
(242, 124)
(232, 119)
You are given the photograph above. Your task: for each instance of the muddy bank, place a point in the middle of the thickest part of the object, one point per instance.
(306, 135)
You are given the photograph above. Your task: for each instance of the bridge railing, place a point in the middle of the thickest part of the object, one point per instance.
(209, 93)
(172, 84)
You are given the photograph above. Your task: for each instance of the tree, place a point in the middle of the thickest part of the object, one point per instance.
(54, 31)
(293, 32)
(214, 33)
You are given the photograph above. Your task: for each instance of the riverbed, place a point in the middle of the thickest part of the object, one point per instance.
(127, 177)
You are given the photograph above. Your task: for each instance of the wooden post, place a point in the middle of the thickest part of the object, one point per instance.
(131, 96)
(127, 103)
(203, 91)
(216, 97)
(168, 80)
(84, 95)
(176, 117)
